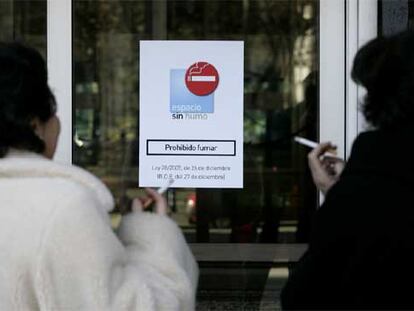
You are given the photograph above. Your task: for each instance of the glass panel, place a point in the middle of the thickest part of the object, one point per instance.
(281, 75)
(24, 21)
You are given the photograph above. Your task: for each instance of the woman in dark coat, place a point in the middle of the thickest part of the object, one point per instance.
(361, 252)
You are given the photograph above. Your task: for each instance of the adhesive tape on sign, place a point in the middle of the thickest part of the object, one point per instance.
(201, 78)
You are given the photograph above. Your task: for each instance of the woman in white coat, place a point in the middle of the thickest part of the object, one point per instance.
(57, 248)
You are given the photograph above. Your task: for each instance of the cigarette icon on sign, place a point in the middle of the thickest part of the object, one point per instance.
(202, 78)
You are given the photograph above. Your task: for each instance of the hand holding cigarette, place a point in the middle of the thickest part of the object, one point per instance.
(325, 169)
(325, 165)
(154, 196)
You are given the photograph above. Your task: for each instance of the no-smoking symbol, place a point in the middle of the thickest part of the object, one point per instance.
(201, 78)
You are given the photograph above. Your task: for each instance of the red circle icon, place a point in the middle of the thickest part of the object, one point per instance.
(201, 78)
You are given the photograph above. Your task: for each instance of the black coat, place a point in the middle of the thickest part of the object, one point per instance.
(361, 252)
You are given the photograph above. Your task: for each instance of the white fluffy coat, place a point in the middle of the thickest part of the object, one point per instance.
(58, 251)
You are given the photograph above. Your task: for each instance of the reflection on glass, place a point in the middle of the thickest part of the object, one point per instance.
(24, 21)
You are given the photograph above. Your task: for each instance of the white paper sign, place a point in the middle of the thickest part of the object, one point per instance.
(191, 114)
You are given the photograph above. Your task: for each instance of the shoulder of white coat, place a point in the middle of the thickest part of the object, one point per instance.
(81, 180)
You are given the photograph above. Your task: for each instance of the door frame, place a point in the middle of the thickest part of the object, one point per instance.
(344, 26)
(361, 26)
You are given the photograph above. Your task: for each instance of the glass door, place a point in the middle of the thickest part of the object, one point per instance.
(281, 101)
(294, 85)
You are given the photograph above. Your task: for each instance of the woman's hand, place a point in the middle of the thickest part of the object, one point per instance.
(325, 169)
(140, 204)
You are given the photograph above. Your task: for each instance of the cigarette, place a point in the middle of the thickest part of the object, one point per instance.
(160, 191)
(312, 144)
(165, 188)
(202, 78)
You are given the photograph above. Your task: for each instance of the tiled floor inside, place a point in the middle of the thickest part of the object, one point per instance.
(237, 301)
(255, 290)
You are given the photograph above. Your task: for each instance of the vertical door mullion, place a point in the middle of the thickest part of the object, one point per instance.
(351, 88)
(332, 73)
(361, 27)
(59, 61)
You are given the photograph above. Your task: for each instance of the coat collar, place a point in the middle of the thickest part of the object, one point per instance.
(27, 164)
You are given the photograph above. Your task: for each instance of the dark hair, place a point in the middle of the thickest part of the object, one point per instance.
(385, 67)
(24, 96)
